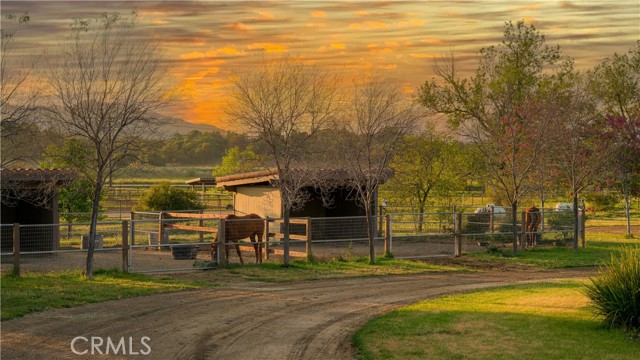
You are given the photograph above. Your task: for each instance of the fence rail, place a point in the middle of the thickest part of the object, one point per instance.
(172, 241)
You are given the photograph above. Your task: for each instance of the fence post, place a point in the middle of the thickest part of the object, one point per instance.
(458, 234)
(161, 229)
(201, 224)
(16, 249)
(125, 246)
(222, 253)
(523, 235)
(387, 234)
(583, 223)
(491, 218)
(266, 238)
(309, 237)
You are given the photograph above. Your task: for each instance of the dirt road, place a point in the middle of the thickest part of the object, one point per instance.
(304, 320)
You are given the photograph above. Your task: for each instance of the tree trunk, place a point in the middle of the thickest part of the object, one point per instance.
(627, 206)
(370, 234)
(285, 233)
(575, 221)
(514, 224)
(95, 208)
(542, 215)
(420, 216)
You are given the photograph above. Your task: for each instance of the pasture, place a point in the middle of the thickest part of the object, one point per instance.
(542, 321)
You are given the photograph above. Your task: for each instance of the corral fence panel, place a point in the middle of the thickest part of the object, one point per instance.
(422, 235)
(60, 247)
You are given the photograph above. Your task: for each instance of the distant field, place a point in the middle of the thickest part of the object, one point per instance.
(155, 174)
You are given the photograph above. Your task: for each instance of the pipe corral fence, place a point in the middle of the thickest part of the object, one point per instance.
(181, 241)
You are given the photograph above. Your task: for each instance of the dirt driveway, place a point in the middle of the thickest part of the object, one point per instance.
(304, 320)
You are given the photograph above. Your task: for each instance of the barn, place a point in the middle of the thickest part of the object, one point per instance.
(30, 197)
(255, 192)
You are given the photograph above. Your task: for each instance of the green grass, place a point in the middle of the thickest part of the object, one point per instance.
(301, 270)
(38, 292)
(598, 251)
(542, 321)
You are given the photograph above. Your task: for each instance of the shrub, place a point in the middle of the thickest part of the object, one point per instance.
(559, 220)
(163, 196)
(476, 223)
(615, 292)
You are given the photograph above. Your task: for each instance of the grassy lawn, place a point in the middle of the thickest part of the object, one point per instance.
(598, 251)
(542, 321)
(38, 292)
(300, 270)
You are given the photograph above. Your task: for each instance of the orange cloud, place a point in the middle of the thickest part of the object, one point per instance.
(411, 22)
(388, 66)
(318, 14)
(227, 50)
(238, 26)
(268, 47)
(265, 15)
(423, 55)
(338, 46)
(365, 25)
(432, 41)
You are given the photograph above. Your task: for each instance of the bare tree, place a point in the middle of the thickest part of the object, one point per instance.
(18, 99)
(106, 89)
(284, 103)
(373, 127)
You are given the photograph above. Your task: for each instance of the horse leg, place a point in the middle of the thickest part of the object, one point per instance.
(214, 249)
(255, 246)
(239, 253)
(259, 236)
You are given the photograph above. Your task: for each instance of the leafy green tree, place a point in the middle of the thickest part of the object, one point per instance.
(615, 82)
(507, 107)
(164, 197)
(77, 197)
(237, 161)
(428, 164)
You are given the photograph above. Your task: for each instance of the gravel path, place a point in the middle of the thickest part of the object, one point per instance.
(303, 320)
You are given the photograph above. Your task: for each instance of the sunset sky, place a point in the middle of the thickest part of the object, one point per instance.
(207, 42)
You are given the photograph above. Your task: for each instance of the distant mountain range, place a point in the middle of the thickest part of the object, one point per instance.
(178, 126)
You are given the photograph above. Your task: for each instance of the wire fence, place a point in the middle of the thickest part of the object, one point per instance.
(178, 241)
(59, 247)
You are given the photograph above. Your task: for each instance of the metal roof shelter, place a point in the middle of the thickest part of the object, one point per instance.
(30, 196)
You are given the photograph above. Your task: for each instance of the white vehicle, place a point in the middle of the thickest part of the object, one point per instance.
(564, 207)
(498, 211)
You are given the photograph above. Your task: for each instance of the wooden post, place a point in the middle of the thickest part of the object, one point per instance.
(16, 249)
(161, 229)
(491, 219)
(387, 234)
(523, 235)
(458, 235)
(309, 238)
(201, 224)
(222, 253)
(583, 223)
(125, 246)
(266, 238)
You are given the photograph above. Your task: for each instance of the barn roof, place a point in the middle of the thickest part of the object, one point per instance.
(201, 181)
(26, 178)
(266, 177)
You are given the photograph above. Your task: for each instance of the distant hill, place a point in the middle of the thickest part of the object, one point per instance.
(179, 126)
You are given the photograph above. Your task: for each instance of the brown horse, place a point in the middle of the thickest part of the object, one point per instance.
(533, 220)
(241, 227)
